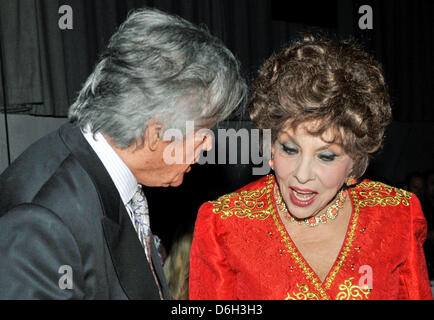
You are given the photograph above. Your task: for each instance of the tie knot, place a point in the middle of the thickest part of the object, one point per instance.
(140, 211)
(138, 197)
(139, 204)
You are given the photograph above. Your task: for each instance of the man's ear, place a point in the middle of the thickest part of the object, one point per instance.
(152, 135)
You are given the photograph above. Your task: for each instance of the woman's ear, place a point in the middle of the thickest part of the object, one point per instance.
(271, 161)
(349, 180)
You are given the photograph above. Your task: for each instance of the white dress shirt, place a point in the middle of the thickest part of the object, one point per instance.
(122, 177)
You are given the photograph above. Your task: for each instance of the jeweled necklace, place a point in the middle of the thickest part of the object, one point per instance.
(331, 213)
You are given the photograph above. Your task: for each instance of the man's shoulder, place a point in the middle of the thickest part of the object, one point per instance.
(39, 154)
(44, 170)
(67, 196)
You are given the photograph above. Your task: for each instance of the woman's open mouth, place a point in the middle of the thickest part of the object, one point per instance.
(302, 197)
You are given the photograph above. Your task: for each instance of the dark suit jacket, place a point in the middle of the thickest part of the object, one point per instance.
(59, 207)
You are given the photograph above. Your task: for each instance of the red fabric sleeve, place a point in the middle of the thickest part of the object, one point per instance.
(413, 274)
(211, 276)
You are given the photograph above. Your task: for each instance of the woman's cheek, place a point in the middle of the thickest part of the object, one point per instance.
(332, 176)
(284, 166)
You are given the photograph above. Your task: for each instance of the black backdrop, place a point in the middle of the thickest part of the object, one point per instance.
(43, 67)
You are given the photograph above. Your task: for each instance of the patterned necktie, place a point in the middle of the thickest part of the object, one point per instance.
(139, 204)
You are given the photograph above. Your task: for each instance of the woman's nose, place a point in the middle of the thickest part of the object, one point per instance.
(304, 172)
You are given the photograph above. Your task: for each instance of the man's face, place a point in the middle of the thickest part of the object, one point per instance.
(170, 160)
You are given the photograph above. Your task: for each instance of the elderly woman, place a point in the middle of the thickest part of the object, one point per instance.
(314, 229)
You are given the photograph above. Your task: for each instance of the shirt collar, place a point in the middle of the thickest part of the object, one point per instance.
(122, 177)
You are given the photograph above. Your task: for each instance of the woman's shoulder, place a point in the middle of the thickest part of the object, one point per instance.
(387, 205)
(250, 200)
(387, 201)
(374, 193)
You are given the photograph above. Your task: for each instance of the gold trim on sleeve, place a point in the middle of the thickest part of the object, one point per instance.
(377, 193)
(243, 204)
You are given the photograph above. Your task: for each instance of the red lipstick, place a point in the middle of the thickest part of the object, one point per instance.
(303, 190)
(302, 200)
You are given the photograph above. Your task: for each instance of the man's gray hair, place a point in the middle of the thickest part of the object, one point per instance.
(162, 67)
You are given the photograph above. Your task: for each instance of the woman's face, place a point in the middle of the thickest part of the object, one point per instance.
(309, 170)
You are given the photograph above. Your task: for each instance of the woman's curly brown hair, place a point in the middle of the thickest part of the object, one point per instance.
(334, 82)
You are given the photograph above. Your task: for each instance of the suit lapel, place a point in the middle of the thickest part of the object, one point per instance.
(129, 258)
(127, 254)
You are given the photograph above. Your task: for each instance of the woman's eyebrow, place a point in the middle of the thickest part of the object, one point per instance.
(339, 147)
(293, 140)
(324, 147)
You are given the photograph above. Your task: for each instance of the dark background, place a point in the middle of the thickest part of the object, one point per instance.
(44, 67)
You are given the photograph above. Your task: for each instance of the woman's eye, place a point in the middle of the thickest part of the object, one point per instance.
(327, 157)
(289, 150)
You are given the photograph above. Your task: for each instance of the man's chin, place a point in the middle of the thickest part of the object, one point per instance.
(177, 182)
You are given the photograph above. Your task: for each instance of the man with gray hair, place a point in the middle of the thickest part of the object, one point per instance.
(74, 221)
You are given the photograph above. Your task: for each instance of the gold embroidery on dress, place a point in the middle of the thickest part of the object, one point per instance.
(308, 272)
(349, 241)
(348, 291)
(245, 204)
(303, 294)
(377, 193)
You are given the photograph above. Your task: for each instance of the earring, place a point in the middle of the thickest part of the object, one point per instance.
(351, 181)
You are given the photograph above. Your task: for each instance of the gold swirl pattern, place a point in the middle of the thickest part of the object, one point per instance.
(377, 193)
(348, 291)
(245, 204)
(303, 294)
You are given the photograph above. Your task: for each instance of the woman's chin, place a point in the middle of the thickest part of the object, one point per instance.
(301, 217)
(300, 213)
